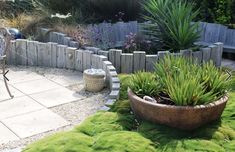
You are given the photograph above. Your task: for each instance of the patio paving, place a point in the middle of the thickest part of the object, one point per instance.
(38, 95)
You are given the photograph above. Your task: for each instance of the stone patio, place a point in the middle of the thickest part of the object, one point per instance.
(39, 99)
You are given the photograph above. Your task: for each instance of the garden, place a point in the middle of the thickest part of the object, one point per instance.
(117, 75)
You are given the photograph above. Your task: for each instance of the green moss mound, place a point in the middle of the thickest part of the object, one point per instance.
(105, 121)
(122, 141)
(124, 80)
(63, 142)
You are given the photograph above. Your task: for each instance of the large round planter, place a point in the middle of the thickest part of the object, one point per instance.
(181, 117)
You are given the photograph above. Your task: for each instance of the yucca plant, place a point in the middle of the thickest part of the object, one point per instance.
(171, 23)
(190, 84)
(144, 84)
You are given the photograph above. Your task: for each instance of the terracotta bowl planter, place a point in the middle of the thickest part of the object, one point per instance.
(181, 117)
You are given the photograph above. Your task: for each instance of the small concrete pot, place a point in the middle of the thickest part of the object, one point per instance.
(94, 80)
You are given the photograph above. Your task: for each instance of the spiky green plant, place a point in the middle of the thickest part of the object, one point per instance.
(171, 23)
(190, 84)
(144, 84)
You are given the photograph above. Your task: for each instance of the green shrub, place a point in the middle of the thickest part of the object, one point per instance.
(94, 10)
(171, 23)
(190, 84)
(144, 84)
(10, 9)
(218, 11)
(109, 9)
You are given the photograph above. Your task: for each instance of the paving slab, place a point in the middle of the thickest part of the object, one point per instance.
(17, 106)
(36, 86)
(35, 123)
(66, 80)
(4, 94)
(6, 135)
(22, 76)
(55, 97)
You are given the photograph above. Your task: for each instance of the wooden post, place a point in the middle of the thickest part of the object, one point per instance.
(32, 51)
(151, 60)
(53, 54)
(61, 57)
(115, 58)
(67, 40)
(127, 63)
(94, 61)
(162, 54)
(206, 54)
(220, 53)
(104, 53)
(197, 57)
(70, 58)
(44, 54)
(86, 59)
(74, 44)
(139, 60)
(79, 60)
(11, 58)
(21, 52)
(44, 34)
(61, 38)
(186, 53)
(214, 52)
(101, 60)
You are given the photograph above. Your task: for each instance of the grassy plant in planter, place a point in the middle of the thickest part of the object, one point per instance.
(190, 84)
(144, 83)
(188, 95)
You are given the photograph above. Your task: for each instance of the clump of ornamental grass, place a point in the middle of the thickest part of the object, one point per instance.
(187, 83)
(182, 82)
(144, 84)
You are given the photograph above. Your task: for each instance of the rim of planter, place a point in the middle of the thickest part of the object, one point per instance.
(217, 102)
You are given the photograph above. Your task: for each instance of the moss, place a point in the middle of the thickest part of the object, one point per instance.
(63, 142)
(122, 141)
(189, 145)
(122, 107)
(124, 80)
(105, 121)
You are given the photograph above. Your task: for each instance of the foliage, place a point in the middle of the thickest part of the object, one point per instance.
(190, 84)
(135, 42)
(145, 84)
(10, 9)
(171, 23)
(77, 32)
(112, 9)
(124, 81)
(91, 10)
(218, 11)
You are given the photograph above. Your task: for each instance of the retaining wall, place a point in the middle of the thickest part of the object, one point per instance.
(114, 35)
(139, 60)
(33, 53)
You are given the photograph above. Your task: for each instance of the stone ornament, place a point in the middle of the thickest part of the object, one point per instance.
(94, 79)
